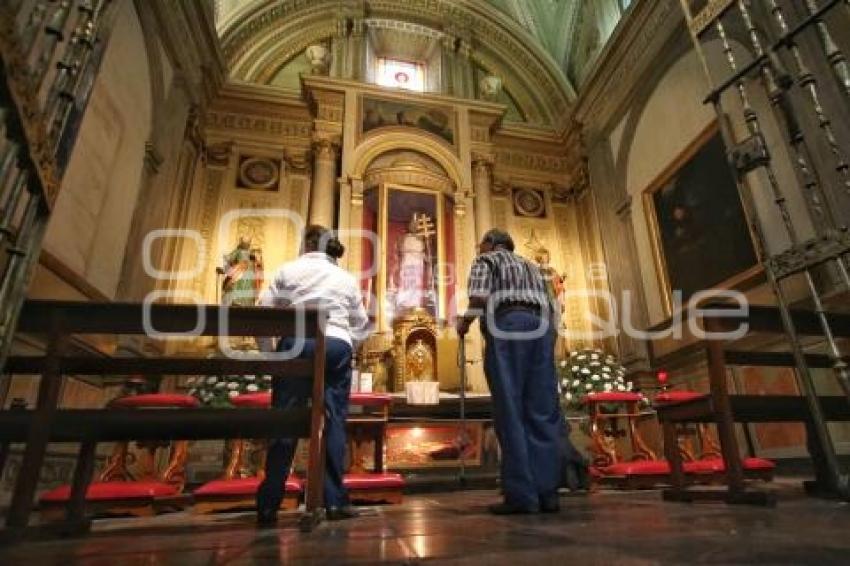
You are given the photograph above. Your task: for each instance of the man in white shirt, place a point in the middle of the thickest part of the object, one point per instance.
(315, 279)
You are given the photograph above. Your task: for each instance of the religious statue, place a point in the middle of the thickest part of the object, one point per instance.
(414, 264)
(554, 281)
(243, 275)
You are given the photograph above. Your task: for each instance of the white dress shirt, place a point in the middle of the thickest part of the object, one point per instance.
(314, 279)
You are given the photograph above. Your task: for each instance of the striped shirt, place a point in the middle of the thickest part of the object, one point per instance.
(505, 278)
(315, 279)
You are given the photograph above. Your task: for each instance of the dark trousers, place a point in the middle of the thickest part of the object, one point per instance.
(289, 393)
(526, 414)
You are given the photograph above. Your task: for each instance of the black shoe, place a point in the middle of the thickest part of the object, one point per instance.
(266, 517)
(342, 513)
(550, 504)
(508, 509)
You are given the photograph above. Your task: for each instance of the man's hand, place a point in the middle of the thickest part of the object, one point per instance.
(462, 324)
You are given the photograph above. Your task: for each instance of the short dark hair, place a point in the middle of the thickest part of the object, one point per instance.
(499, 238)
(320, 239)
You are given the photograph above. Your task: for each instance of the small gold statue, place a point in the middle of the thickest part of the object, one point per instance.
(420, 362)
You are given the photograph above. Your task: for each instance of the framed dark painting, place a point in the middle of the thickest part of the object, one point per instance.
(700, 234)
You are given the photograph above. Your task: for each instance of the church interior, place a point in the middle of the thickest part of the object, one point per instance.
(679, 171)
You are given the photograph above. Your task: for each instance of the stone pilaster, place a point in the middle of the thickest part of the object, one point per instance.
(448, 45)
(324, 182)
(463, 69)
(482, 175)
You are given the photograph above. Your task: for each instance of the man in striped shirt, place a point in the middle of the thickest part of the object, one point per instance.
(508, 294)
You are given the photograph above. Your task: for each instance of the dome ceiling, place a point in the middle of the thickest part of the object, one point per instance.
(543, 46)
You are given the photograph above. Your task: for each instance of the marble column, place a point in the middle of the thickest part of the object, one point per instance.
(324, 181)
(481, 181)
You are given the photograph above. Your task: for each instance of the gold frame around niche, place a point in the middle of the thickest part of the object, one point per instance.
(383, 212)
(743, 280)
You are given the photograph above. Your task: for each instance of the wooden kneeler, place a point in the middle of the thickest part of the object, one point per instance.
(234, 493)
(116, 492)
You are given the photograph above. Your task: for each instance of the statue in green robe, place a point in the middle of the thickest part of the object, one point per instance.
(243, 275)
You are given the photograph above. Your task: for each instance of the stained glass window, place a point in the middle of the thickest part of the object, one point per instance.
(401, 74)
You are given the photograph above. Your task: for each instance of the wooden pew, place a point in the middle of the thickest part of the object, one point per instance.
(725, 409)
(59, 320)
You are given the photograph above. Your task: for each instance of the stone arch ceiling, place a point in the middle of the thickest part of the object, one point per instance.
(532, 37)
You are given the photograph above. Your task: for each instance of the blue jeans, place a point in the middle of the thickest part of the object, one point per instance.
(290, 393)
(526, 413)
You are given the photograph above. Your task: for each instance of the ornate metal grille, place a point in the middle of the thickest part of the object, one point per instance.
(50, 51)
(791, 56)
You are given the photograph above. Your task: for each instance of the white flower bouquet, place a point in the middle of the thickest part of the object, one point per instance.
(589, 371)
(216, 391)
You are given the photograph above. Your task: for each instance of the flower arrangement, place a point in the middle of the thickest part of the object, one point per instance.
(589, 371)
(216, 391)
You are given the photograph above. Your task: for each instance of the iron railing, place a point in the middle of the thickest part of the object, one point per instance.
(791, 55)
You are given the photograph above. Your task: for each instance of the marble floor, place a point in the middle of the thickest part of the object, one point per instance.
(602, 528)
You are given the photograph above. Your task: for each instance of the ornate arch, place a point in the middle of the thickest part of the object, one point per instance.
(405, 138)
(262, 39)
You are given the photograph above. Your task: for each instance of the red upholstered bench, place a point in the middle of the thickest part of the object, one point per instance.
(638, 474)
(370, 415)
(240, 493)
(264, 399)
(115, 499)
(255, 400)
(640, 469)
(612, 397)
(374, 487)
(155, 401)
(116, 493)
(754, 468)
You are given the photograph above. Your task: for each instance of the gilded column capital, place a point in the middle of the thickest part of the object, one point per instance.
(482, 163)
(324, 149)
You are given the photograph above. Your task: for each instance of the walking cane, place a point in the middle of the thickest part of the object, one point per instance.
(461, 360)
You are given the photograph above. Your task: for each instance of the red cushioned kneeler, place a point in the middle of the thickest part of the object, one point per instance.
(612, 397)
(110, 490)
(155, 401)
(639, 468)
(115, 498)
(254, 400)
(241, 493)
(374, 487)
(754, 468)
(638, 474)
(264, 399)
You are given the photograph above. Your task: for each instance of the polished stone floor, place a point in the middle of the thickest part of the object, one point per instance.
(602, 528)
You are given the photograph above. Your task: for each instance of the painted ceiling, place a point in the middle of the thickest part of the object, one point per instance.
(571, 32)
